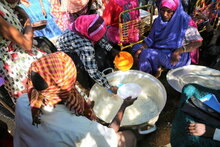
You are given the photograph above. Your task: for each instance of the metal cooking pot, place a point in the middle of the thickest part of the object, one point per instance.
(146, 108)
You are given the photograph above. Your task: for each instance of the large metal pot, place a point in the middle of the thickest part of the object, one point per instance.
(145, 109)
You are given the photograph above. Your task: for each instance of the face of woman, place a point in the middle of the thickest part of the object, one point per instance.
(166, 13)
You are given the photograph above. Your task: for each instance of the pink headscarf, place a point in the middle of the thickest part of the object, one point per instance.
(91, 26)
(171, 4)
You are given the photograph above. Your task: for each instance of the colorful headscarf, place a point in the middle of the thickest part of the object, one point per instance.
(73, 6)
(59, 72)
(171, 4)
(169, 35)
(91, 26)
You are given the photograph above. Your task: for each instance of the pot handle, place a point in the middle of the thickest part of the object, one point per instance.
(147, 131)
(107, 69)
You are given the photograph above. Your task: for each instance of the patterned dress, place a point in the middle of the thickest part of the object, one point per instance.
(14, 61)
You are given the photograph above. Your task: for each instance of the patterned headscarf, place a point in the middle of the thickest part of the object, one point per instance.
(91, 26)
(59, 72)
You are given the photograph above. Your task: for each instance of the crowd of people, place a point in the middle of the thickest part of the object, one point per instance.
(85, 34)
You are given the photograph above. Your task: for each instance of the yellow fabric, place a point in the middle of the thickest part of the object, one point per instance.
(59, 72)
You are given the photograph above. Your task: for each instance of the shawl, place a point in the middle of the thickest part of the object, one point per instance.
(169, 35)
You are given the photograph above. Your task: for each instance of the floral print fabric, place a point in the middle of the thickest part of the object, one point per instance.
(14, 61)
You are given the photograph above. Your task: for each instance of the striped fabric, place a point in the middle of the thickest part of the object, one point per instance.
(59, 72)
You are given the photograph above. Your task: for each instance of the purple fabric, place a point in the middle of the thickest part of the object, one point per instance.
(164, 38)
(169, 35)
(1, 81)
(151, 59)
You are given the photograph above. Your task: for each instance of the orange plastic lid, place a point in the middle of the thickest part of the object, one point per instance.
(124, 61)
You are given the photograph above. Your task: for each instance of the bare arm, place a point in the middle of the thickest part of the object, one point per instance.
(199, 129)
(22, 15)
(115, 124)
(185, 48)
(9, 32)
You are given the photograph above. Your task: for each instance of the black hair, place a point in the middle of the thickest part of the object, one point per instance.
(38, 82)
(3, 129)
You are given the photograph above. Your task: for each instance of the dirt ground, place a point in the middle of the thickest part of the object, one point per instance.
(161, 137)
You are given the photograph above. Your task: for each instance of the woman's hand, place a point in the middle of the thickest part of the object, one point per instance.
(139, 47)
(115, 124)
(199, 129)
(136, 55)
(176, 55)
(196, 129)
(89, 113)
(114, 89)
(128, 101)
(27, 23)
(38, 25)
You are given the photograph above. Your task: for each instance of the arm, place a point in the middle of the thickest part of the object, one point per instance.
(22, 15)
(193, 40)
(9, 32)
(189, 47)
(115, 124)
(87, 56)
(137, 53)
(103, 43)
(184, 49)
(199, 129)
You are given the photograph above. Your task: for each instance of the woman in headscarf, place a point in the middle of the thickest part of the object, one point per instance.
(86, 32)
(62, 116)
(193, 126)
(111, 16)
(173, 36)
(16, 49)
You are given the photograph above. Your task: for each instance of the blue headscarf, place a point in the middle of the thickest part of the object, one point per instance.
(169, 35)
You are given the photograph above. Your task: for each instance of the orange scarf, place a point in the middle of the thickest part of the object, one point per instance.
(59, 72)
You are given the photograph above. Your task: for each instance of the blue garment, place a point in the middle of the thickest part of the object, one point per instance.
(151, 59)
(164, 38)
(35, 13)
(169, 35)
